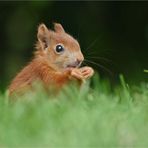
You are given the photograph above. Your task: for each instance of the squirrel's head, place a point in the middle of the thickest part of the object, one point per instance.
(60, 49)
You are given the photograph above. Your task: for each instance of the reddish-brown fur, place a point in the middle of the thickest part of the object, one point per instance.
(47, 66)
(38, 69)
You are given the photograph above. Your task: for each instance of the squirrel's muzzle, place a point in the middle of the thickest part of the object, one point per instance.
(75, 64)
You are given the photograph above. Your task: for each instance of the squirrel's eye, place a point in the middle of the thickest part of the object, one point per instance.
(59, 48)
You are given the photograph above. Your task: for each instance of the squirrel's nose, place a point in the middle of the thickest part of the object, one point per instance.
(78, 62)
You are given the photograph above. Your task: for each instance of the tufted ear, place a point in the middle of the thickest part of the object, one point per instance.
(43, 36)
(58, 28)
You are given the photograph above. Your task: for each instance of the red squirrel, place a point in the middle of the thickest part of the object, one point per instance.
(56, 61)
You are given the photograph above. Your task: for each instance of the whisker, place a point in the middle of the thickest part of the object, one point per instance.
(91, 52)
(84, 63)
(99, 58)
(90, 45)
(99, 65)
(100, 52)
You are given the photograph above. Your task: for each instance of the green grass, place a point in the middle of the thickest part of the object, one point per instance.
(93, 117)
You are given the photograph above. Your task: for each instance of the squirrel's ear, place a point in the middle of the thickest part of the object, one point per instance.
(58, 28)
(43, 36)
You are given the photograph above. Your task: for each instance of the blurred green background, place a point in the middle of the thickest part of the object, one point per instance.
(117, 31)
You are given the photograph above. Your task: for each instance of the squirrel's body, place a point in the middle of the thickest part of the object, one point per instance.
(56, 61)
(38, 69)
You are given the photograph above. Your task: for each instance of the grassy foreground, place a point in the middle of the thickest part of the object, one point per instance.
(98, 117)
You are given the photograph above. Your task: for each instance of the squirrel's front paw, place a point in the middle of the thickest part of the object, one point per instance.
(76, 73)
(87, 72)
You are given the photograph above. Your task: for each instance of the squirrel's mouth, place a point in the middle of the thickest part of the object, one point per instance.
(74, 65)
